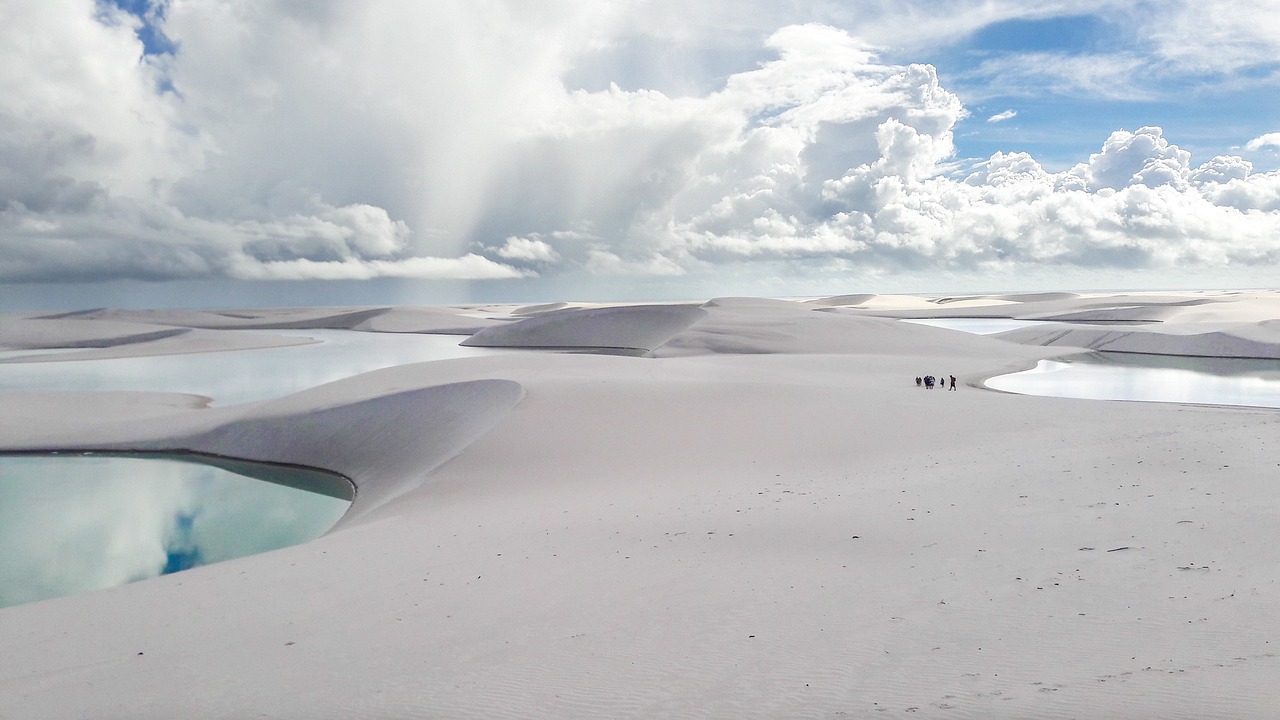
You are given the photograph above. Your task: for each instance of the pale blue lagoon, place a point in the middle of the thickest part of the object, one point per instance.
(1150, 378)
(241, 375)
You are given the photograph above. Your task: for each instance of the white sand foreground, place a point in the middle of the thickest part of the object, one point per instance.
(761, 517)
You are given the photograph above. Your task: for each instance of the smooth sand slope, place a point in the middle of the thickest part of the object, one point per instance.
(762, 517)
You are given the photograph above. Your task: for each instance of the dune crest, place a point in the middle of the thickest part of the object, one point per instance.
(636, 328)
(386, 445)
(28, 333)
(835, 300)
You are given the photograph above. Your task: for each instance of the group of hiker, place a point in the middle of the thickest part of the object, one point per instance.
(928, 381)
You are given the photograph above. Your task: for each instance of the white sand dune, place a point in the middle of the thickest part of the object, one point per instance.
(539, 309)
(106, 333)
(444, 321)
(1035, 297)
(769, 328)
(243, 318)
(96, 340)
(1128, 307)
(764, 518)
(432, 423)
(347, 427)
(856, 299)
(27, 333)
(639, 328)
(373, 319)
(1247, 341)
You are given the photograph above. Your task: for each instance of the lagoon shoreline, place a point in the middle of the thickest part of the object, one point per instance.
(739, 508)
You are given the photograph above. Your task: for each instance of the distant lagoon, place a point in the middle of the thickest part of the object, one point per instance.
(239, 375)
(1150, 378)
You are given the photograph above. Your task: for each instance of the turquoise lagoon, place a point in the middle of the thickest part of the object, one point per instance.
(74, 523)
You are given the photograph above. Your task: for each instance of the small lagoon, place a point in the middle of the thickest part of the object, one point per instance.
(1150, 378)
(70, 524)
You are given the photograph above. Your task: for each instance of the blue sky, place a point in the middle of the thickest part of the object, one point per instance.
(150, 25)
(211, 152)
(1060, 124)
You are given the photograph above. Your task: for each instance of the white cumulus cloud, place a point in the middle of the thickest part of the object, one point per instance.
(529, 249)
(1262, 141)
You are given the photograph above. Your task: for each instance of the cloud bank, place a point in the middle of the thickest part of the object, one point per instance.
(350, 141)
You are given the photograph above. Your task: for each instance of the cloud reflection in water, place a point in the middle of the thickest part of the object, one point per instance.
(72, 524)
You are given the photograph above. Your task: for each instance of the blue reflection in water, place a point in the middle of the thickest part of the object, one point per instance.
(70, 524)
(240, 375)
(1152, 378)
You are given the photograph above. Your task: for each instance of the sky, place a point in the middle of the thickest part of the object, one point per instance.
(206, 153)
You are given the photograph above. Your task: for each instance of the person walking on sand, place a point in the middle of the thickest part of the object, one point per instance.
(953, 382)
(919, 381)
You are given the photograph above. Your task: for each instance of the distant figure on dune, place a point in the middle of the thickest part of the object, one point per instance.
(953, 382)
(919, 381)
(928, 382)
